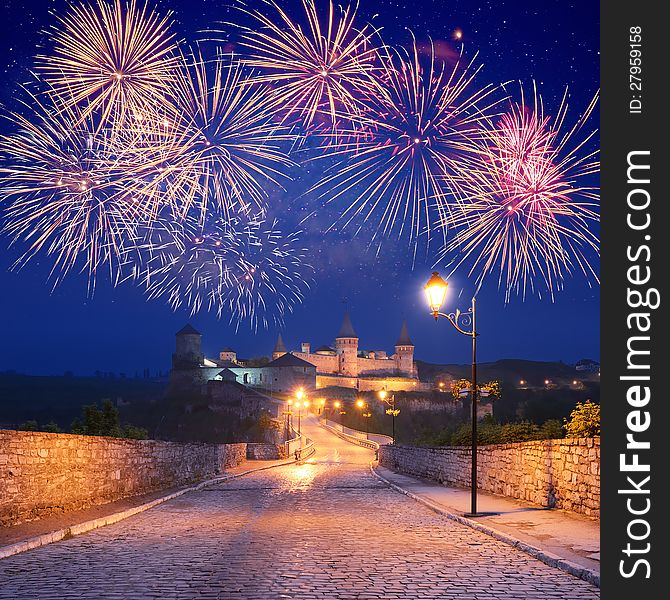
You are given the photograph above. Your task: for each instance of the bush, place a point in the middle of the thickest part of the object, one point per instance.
(105, 422)
(519, 432)
(584, 421)
(491, 432)
(52, 427)
(135, 433)
(30, 425)
(551, 430)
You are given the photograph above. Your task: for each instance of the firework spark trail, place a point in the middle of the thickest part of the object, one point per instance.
(317, 74)
(219, 145)
(64, 184)
(183, 262)
(526, 215)
(243, 269)
(118, 58)
(275, 277)
(405, 165)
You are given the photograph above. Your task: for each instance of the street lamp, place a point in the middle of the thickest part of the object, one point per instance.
(393, 411)
(436, 292)
(289, 417)
(301, 405)
(300, 394)
(367, 414)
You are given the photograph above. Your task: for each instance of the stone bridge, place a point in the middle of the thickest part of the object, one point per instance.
(325, 528)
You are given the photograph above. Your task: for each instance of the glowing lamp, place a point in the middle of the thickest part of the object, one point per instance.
(360, 403)
(383, 394)
(436, 292)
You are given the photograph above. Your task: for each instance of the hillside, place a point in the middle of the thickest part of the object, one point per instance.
(59, 398)
(509, 371)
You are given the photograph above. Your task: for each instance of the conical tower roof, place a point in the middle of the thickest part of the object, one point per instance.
(279, 346)
(404, 339)
(347, 329)
(188, 330)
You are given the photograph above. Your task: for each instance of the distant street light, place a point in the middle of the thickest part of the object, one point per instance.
(289, 418)
(393, 411)
(300, 394)
(436, 293)
(367, 414)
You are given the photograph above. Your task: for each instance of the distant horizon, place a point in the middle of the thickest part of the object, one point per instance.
(138, 373)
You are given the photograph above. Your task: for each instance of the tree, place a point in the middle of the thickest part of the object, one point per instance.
(52, 427)
(95, 421)
(584, 421)
(30, 425)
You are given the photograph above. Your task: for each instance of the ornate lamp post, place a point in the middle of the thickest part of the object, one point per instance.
(436, 292)
(393, 411)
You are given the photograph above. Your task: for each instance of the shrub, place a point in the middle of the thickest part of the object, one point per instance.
(519, 432)
(52, 427)
(551, 430)
(105, 421)
(135, 433)
(584, 421)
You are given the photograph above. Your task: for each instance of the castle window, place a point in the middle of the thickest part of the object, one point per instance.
(246, 378)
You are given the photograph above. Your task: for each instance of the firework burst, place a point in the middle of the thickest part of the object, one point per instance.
(403, 168)
(318, 73)
(117, 57)
(527, 216)
(218, 147)
(65, 186)
(275, 277)
(241, 269)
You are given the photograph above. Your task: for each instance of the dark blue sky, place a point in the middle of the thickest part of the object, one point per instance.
(554, 42)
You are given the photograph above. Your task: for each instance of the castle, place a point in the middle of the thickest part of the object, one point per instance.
(343, 366)
(347, 366)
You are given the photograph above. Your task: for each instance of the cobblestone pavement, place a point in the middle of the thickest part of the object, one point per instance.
(324, 529)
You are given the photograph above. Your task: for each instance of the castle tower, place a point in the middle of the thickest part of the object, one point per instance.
(280, 349)
(188, 351)
(228, 354)
(404, 353)
(346, 348)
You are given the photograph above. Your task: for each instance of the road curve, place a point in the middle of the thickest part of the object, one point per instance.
(324, 529)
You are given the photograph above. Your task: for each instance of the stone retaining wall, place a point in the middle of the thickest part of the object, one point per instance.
(266, 451)
(47, 473)
(554, 473)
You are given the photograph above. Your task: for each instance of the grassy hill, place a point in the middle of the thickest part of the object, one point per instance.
(47, 398)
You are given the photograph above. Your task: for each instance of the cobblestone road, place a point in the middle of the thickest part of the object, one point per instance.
(325, 529)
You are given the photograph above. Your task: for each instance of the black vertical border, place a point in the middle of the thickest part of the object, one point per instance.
(621, 133)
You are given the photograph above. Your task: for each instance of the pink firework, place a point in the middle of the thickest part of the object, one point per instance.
(528, 214)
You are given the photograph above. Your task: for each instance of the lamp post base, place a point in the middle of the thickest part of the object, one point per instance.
(477, 514)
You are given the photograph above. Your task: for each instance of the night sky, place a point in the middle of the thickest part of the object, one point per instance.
(554, 42)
